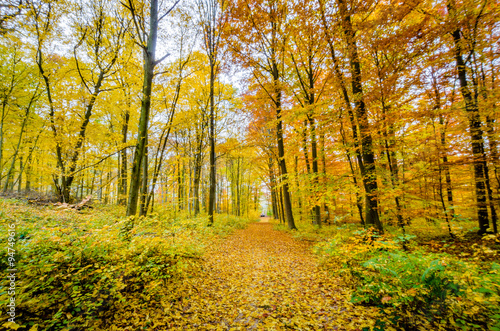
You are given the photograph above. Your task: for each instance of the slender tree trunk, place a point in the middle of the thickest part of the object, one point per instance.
(441, 197)
(442, 133)
(281, 206)
(314, 151)
(359, 198)
(212, 179)
(493, 147)
(475, 130)
(20, 178)
(99, 195)
(149, 64)
(323, 162)
(446, 165)
(196, 184)
(19, 141)
(392, 163)
(122, 191)
(287, 205)
(144, 188)
(490, 196)
(297, 184)
(238, 188)
(29, 168)
(179, 186)
(272, 182)
(368, 171)
(305, 148)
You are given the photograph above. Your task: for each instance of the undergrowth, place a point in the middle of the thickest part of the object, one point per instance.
(415, 289)
(80, 271)
(423, 280)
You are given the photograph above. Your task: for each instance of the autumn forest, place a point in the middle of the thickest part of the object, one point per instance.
(256, 164)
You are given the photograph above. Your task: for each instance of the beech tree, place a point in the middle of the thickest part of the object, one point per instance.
(262, 47)
(469, 91)
(308, 54)
(379, 113)
(147, 39)
(213, 18)
(100, 37)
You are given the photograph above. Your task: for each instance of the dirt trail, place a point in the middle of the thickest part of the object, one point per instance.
(262, 279)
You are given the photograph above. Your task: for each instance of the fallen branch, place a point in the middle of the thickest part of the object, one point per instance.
(85, 203)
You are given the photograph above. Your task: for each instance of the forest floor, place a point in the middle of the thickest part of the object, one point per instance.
(96, 270)
(263, 279)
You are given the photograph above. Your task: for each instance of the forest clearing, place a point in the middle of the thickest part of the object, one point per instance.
(249, 165)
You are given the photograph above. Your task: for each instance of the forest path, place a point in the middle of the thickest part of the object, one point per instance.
(263, 279)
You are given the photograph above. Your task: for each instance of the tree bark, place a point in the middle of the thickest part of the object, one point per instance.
(315, 168)
(122, 188)
(281, 155)
(149, 64)
(475, 131)
(144, 187)
(368, 170)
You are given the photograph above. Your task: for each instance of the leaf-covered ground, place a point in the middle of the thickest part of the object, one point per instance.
(262, 279)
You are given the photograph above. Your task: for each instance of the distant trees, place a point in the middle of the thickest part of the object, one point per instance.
(260, 41)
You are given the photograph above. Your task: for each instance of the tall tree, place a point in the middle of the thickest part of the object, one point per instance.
(470, 97)
(307, 53)
(100, 39)
(259, 31)
(213, 18)
(368, 171)
(147, 39)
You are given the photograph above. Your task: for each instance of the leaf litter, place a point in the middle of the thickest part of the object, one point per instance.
(262, 279)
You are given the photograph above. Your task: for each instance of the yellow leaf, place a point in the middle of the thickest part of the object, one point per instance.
(11, 325)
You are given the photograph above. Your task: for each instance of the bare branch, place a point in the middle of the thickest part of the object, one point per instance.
(168, 11)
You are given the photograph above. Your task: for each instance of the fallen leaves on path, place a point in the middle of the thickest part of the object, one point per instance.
(262, 279)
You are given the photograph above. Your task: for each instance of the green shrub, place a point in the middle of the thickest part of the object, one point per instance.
(416, 290)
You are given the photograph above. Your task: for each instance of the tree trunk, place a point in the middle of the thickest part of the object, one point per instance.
(122, 181)
(19, 141)
(323, 161)
(446, 166)
(212, 179)
(475, 130)
(297, 184)
(314, 151)
(144, 188)
(196, 184)
(272, 185)
(287, 205)
(305, 149)
(359, 198)
(236, 178)
(391, 162)
(29, 168)
(368, 170)
(149, 64)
